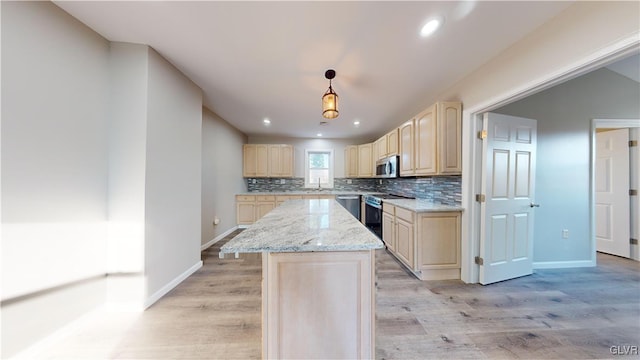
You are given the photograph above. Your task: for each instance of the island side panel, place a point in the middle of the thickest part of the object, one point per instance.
(318, 305)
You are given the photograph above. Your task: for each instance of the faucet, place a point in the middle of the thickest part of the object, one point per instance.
(319, 188)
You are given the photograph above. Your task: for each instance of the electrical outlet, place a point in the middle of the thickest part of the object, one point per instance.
(380, 181)
(216, 221)
(253, 181)
(282, 181)
(565, 233)
(349, 181)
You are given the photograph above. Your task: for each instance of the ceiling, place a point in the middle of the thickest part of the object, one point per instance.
(256, 60)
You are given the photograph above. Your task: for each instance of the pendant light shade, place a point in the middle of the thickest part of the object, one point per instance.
(330, 98)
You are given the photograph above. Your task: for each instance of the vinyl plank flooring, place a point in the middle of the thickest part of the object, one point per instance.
(552, 314)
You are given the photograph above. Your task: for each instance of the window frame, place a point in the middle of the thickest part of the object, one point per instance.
(328, 185)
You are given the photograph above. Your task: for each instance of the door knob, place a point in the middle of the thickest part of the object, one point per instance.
(534, 205)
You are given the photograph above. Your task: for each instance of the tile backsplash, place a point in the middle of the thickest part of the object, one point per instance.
(445, 190)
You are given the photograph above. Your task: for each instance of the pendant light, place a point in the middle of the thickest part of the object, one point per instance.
(330, 98)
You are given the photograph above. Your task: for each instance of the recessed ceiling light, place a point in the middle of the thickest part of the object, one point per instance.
(266, 121)
(356, 123)
(430, 27)
(319, 134)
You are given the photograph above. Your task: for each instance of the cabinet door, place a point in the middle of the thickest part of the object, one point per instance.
(382, 147)
(245, 213)
(406, 149)
(351, 161)
(262, 160)
(249, 160)
(286, 157)
(425, 143)
(450, 137)
(275, 164)
(365, 162)
(438, 240)
(404, 242)
(392, 142)
(263, 207)
(388, 231)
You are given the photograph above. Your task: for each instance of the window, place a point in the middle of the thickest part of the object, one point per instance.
(318, 169)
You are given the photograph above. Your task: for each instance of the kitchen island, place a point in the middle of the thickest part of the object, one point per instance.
(318, 280)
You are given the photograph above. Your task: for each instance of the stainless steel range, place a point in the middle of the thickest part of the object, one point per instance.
(373, 211)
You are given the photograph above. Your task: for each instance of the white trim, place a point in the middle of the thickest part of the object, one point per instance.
(563, 264)
(218, 238)
(470, 238)
(243, 226)
(173, 283)
(331, 167)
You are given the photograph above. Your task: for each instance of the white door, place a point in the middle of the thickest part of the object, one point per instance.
(508, 183)
(612, 192)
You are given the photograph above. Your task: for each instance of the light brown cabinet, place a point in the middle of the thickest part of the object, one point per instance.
(255, 160)
(388, 228)
(250, 208)
(431, 143)
(365, 160)
(245, 209)
(428, 243)
(387, 145)
(406, 136)
(351, 161)
(267, 160)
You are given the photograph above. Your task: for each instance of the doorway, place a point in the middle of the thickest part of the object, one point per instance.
(627, 221)
(472, 176)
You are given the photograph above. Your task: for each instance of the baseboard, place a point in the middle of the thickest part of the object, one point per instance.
(563, 264)
(243, 226)
(218, 238)
(173, 283)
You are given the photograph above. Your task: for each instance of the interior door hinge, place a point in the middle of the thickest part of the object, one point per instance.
(633, 192)
(480, 198)
(633, 143)
(633, 241)
(482, 134)
(479, 260)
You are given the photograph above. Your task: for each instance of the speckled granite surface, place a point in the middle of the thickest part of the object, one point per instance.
(304, 225)
(420, 205)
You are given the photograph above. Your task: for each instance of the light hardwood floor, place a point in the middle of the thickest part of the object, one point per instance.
(552, 314)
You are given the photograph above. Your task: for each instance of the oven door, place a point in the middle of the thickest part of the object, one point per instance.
(373, 219)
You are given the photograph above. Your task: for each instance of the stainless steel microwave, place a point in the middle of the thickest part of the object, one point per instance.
(387, 167)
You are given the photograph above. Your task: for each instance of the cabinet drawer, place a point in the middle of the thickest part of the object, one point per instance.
(265, 198)
(404, 214)
(288, 197)
(388, 208)
(245, 198)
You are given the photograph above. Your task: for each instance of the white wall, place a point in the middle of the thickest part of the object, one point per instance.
(173, 175)
(300, 144)
(221, 175)
(54, 168)
(564, 114)
(127, 159)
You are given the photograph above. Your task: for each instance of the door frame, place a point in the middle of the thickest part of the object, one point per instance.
(472, 157)
(599, 124)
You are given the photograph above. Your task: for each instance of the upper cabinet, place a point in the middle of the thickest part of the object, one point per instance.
(365, 160)
(280, 161)
(267, 160)
(351, 161)
(387, 145)
(430, 143)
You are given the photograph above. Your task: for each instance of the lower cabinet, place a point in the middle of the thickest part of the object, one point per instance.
(250, 208)
(427, 243)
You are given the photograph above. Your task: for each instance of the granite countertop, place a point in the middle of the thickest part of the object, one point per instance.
(310, 192)
(421, 205)
(305, 225)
